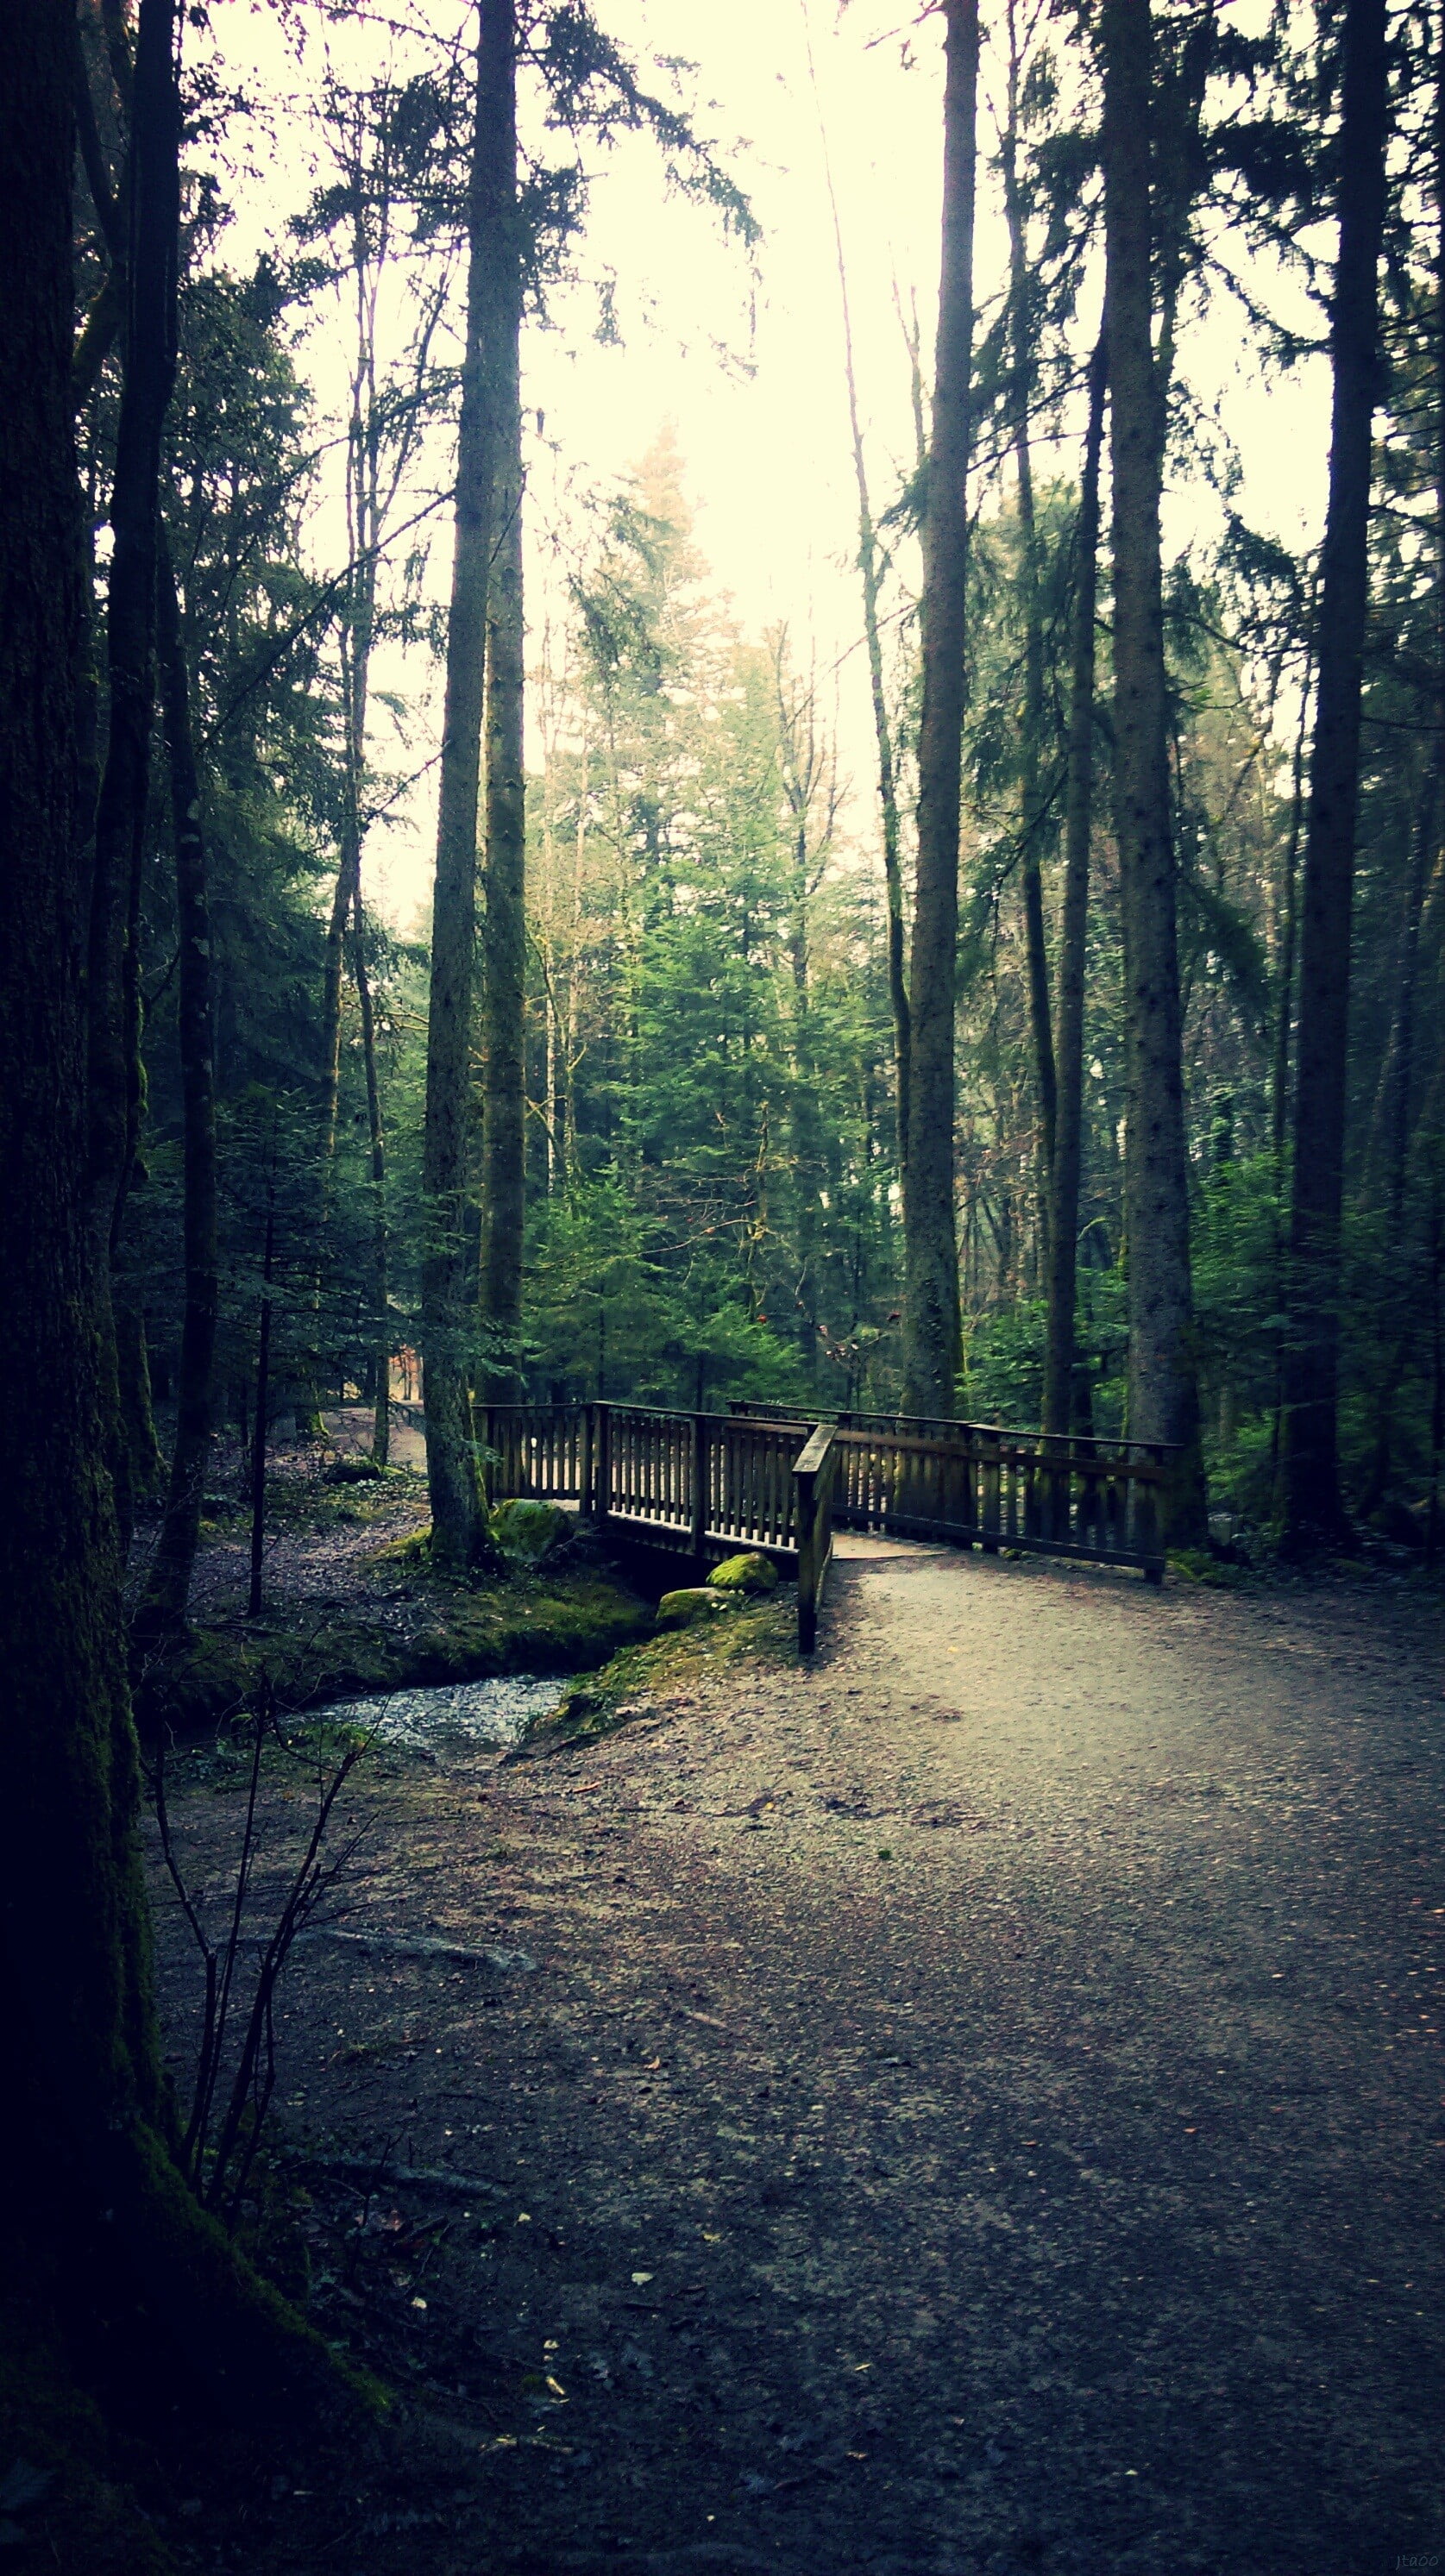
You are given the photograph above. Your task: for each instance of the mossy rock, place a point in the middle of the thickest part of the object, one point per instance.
(680, 1609)
(363, 1470)
(749, 1573)
(529, 1530)
(415, 1550)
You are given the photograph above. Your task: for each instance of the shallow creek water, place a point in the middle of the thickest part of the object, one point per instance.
(455, 1713)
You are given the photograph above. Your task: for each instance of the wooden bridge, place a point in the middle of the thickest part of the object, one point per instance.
(707, 1485)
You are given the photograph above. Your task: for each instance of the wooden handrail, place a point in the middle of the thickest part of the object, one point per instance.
(813, 1485)
(942, 1426)
(701, 1484)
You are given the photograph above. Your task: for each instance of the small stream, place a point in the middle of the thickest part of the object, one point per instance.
(454, 1713)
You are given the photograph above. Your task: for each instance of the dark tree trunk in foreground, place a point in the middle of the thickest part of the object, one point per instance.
(504, 1094)
(162, 1609)
(1059, 1349)
(1163, 1390)
(1312, 1509)
(458, 1522)
(931, 1316)
(94, 2213)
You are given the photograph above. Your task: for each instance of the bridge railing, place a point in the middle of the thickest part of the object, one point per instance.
(698, 1484)
(975, 1484)
(702, 1485)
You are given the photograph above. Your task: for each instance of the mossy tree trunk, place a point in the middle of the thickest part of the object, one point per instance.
(1059, 1348)
(1163, 1390)
(93, 2206)
(457, 1503)
(504, 1080)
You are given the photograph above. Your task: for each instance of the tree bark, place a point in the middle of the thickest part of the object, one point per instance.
(263, 1407)
(931, 1312)
(380, 1283)
(162, 1608)
(504, 1095)
(1034, 802)
(145, 1468)
(94, 2213)
(1312, 1507)
(149, 285)
(871, 574)
(459, 1536)
(1163, 1389)
(147, 281)
(1059, 1352)
(1391, 1123)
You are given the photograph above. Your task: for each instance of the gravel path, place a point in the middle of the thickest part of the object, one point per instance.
(977, 2106)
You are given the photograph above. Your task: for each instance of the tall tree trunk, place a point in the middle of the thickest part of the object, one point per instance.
(148, 281)
(1391, 1123)
(1059, 1353)
(380, 1283)
(871, 574)
(504, 1096)
(262, 1421)
(1288, 943)
(931, 1314)
(1034, 802)
(1312, 1508)
(94, 2213)
(1163, 1389)
(162, 1608)
(458, 1523)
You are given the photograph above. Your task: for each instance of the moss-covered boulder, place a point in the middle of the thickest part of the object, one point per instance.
(750, 1573)
(528, 1530)
(680, 1609)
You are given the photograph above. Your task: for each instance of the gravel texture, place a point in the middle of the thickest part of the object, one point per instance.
(977, 2104)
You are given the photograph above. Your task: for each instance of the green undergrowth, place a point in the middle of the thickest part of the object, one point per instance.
(638, 1676)
(1197, 1565)
(531, 1624)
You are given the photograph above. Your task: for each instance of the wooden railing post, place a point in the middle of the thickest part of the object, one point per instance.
(813, 1498)
(601, 1465)
(585, 1486)
(698, 1497)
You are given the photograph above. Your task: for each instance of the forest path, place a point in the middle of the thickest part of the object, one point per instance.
(973, 2108)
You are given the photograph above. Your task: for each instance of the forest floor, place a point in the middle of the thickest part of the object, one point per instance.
(350, 1604)
(973, 2104)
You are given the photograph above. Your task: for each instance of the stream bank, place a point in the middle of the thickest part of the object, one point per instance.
(352, 1607)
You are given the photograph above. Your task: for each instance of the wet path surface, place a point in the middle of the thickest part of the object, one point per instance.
(977, 2105)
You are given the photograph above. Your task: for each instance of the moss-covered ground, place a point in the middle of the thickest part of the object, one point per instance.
(352, 1606)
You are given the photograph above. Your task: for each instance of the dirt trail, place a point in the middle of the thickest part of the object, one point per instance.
(976, 2106)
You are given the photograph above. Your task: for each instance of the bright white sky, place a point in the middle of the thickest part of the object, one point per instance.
(765, 442)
